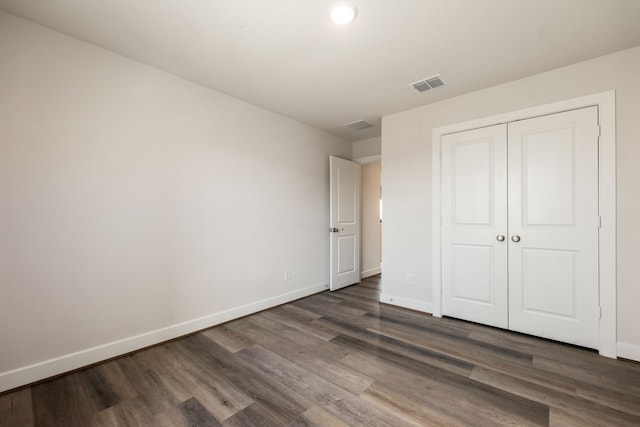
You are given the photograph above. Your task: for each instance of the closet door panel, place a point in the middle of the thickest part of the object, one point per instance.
(553, 226)
(474, 270)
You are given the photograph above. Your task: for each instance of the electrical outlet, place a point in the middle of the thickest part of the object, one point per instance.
(410, 280)
(287, 274)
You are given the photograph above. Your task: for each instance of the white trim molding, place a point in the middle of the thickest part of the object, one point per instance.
(605, 101)
(368, 159)
(370, 272)
(629, 351)
(68, 362)
(409, 303)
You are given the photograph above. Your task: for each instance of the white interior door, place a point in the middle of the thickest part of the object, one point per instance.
(553, 226)
(474, 225)
(520, 226)
(344, 223)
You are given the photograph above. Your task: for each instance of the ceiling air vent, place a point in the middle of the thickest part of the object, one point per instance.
(428, 83)
(358, 125)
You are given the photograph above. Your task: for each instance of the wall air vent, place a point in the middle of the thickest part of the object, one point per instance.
(358, 125)
(428, 83)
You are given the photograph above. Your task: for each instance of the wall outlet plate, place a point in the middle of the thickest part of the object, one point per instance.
(410, 279)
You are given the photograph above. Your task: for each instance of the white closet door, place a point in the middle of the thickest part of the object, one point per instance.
(474, 215)
(553, 226)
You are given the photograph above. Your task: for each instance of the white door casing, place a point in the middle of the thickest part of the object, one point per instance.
(474, 213)
(553, 210)
(606, 262)
(344, 223)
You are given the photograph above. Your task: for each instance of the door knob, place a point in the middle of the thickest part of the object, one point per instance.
(515, 238)
(500, 238)
(334, 230)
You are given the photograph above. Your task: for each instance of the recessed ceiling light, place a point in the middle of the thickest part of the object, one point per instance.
(343, 12)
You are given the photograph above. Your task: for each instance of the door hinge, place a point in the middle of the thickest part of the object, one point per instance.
(599, 222)
(599, 312)
(596, 133)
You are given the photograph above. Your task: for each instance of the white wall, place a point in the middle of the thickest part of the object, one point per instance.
(406, 153)
(136, 206)
(366, 148)
(370, 249)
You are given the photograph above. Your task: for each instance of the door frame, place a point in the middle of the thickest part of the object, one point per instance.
(605, 101)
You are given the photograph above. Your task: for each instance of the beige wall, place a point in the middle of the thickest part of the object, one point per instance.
(370, 251)
(406, 153)
(136, 206)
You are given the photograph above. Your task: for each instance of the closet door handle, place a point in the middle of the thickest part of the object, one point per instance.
(515, 238)
(500, 238)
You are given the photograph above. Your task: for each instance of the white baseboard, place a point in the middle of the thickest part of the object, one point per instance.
(629, 351)
(407, 303)
(370, 272)
(59, 365)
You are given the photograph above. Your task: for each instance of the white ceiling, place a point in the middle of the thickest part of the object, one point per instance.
(286, 56)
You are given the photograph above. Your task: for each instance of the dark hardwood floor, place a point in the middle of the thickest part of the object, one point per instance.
(340, 359)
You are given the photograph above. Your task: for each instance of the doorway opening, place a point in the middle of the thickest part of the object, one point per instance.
(371, 220)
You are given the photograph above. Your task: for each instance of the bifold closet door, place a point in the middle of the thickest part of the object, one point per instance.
(474, 225)
(553, 215)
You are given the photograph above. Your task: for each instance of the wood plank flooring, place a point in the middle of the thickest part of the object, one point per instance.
(340, 359)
